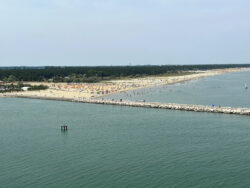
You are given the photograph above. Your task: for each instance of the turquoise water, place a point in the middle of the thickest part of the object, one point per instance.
(225, 90)
(112, 146)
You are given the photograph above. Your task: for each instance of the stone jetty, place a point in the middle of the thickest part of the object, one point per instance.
(170, 106)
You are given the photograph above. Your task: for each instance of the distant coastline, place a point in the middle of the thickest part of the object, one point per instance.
(85, 91)
(94, 74)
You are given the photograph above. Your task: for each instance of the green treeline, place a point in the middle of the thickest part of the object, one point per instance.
(99, 73)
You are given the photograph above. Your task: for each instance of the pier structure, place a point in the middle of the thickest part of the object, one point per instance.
(174, 106)
(64, 128)
(159, 105)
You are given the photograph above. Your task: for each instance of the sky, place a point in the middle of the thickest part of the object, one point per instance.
(123, 32)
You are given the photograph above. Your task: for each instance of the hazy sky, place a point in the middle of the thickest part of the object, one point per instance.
(120, 32)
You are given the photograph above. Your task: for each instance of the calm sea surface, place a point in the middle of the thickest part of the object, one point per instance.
(112, 146)
(226, 90)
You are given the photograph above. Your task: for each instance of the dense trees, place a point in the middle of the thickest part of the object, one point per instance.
(95, 74)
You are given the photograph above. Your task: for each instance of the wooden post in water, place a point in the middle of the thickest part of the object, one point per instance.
(64, 128)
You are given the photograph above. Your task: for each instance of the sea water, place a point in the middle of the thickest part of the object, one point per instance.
(225, 90)
(118, 146)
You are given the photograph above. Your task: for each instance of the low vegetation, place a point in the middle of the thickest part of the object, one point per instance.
(11, 87)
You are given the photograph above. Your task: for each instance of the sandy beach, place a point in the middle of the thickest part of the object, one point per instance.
(76, 91)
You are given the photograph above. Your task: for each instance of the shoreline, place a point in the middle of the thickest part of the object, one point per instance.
(49, 95)
(85, 91)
